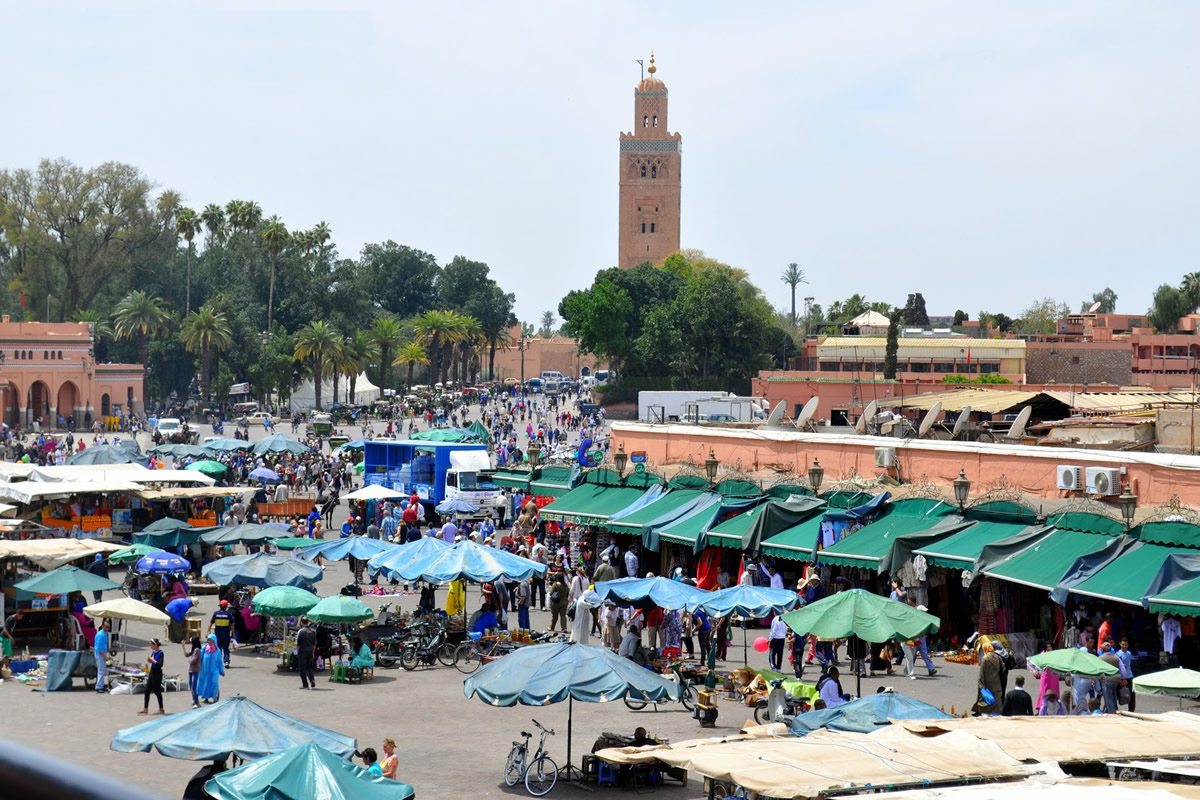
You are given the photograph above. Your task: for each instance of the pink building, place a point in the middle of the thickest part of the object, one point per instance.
(48, 370)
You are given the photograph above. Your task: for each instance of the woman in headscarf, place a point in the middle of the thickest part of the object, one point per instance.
(990, 667)
(212, 667)
(363, 657)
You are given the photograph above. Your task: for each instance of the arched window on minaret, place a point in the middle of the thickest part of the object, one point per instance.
(643, 227)
(656, 120)
(654, 172)
(643, 170)
(646, 121)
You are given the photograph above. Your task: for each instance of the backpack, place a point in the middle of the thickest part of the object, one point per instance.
(556, 592)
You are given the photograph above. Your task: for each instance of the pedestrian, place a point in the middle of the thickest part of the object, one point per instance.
(775, 642)
(194, 656)
(221, 624)
(390, 764)
(1018, 703)
(522, 594)
(558, 602)
(100, 647)
(989, 692)
(154, 683)
(371, 760)
(212, 667)
(306, 654)
(100, 570)
(703, 629)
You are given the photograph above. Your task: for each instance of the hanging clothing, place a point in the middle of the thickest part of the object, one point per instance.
(456, 598)
(1171, 632)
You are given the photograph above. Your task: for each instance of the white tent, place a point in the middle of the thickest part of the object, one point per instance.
(304, 396)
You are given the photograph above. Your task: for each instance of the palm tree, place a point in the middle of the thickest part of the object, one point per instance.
(337, 364)
(321, 234)
(139, 316)
(438, 330)
(386, 335)
(213, 217)
(361, 352)
(168, 204)
(275, 238)
(1191, 289)
(313, 343)
(547, 324)
(794, 276)
(187, 225)
(411, 354)
(101, 330)
(202, 330)
(470, 337)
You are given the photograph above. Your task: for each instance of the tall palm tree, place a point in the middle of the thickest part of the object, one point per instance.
(275, 238)
(337, 364)
(547, 324)
(1191, 289)
(438, 331)
(793, 276)
(470, 337)
(202, 331)
(139, 316)
(361, 352)
(411, 355)
(102, 331)
(187, 225)
(313, 343)
(213, 217)
(387, 336)
(321, 234)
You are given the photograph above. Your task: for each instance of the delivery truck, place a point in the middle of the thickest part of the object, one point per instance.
(435, 471)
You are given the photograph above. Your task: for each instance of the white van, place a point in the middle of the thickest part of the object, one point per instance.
(602, 376)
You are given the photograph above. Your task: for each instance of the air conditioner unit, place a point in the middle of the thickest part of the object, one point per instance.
(1104, 481)
(1069, 478)
(885, 457)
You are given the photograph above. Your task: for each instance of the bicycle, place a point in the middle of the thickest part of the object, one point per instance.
(540, 773)
(428, 646)
(470, 654)
(687, 694)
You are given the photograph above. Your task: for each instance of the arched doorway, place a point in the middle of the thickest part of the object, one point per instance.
(105, 405)
(10, 404)
(68, 400)
(585, 371)
(38, 407)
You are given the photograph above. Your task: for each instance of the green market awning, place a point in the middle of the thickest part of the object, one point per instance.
(1183, 534)
(867, 546)
(551, 481)
(591, 504)
(730, 532)
(1085, 522)
(959, 550)
(666, 509)
(1183, 600)
(689, 529)
(1043, 564)
(795, 542)
(1126, 579)
(747, 531)
(844, 498)
(512, 479)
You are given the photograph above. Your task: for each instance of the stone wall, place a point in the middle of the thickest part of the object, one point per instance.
(1079, 363)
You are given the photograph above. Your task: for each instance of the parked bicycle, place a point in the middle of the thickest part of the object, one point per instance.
(687, 694)
(432, 641)
(539, 772)
(469, 655)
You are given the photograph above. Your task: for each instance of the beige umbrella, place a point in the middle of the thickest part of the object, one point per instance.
(126, 608)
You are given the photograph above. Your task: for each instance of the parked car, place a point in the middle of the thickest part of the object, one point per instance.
(260, 418)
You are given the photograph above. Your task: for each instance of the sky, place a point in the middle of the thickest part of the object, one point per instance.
(983, 154)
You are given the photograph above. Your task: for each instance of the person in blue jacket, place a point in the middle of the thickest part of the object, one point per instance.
(212, 667)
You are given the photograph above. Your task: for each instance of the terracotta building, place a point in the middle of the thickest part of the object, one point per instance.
(650, 187)
(48, 370)
(556, 353)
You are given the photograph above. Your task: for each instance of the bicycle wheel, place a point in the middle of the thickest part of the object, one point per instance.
(446, 652)
(634, 705)
(409, 658)
(512, 767)
(466, 658)
(541, 776)
(688, 697)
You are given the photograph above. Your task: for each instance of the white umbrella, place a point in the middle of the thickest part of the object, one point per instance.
(374, 492)
(127, 608)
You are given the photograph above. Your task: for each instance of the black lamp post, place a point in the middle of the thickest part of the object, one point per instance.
(962, 489)
(620, 459)
(816, 474)
(1128, 502)
(710, 466)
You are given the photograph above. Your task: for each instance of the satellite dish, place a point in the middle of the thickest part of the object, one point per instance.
(930, 417)
(1095, 306)
(1018, 427)
(806, 413)
(961, 422)
(868, 414)
(777, 414)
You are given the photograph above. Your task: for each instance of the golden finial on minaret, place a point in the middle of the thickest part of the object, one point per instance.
(652, 69)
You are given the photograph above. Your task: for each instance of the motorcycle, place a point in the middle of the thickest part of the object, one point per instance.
(779, 706)
(218, 427)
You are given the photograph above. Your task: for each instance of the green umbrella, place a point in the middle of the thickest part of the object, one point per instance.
(208, 467)
(340, 608)
(283, 601)
(360, 466)
(1072, 661)
(63, 580)
(1177, 682)
(857, 612)
(293, 542)
(132, 553)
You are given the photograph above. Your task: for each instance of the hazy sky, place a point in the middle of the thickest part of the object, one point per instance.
(983, 154)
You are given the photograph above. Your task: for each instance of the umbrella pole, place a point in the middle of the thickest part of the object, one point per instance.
(857, 672)
(570, 772)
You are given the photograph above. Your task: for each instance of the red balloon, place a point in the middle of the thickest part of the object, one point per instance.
(761, 644)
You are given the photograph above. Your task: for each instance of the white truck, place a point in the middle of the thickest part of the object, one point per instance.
(672, 406)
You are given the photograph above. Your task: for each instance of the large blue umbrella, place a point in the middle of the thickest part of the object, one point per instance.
(262, 570)
(166, 524)
(246, 533)
(866, 713)
(475, 562)
(108, 454)
(265, 475)
(541, 674)
(277, 443)
(237, 726)
(360, 547)
(754, 602)
(646, 593)
(162, 564)
(455, 506)
(180, 450)
(227, 445)
(391, 561)
(304, 771)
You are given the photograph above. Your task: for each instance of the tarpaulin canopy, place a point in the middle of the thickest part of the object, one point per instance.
(959, 550)
(357, 444)
(455, 505)
(33, 491)
(50, 553)
(175, 537)
(593, 503)
(1044, 562)
(1177, 682)
(647, 593)
(445, 435)
(865, 714)
(1086, 523)
(108, 454)
(129, 555)
(283, 601)
(127, 608)
(208, 467)
(512, 479)
(864, 505)
(63, 580)
(472, 561)
(247, 532)
(277, 443)
(304, 772)
(181, 450)
(747, 601)
(166, 524)
(868, 546)
(162, 564)
(857, 612)
(262, 570)
(796, 542)
(480, 430)
(340, 608)
(552, 480)
(1183, 534)
(662, 510)
(234, 727)
(291, 542)
(1073, 661)
(390, 561)
(1127, 578)
(227, 445)
(373, 491)
(360, 547)
(747, 531)
(846, 498)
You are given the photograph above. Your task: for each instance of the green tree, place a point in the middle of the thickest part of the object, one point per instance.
(215, 229)
(438, 331)
(793, 276)
(361, 352)
(960, 317)
(386, 335)
(914, 313)
(401, 280)
(1042, 316)
(139, 316)
(411, 355)
(1107, 300)
(187, 224)
(1169, 304)
(890, 363)
(275, 238)
(203, 331)
(548, 320)
(598, 318)
(1191, 290)
(314, 342)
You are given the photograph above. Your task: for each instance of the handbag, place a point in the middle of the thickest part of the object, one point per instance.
(1123, 695)
(571, 611)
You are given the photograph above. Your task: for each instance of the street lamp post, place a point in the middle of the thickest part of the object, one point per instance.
(816, 474)
(1128, 502)
(710, 466)
(962, 489)
(620, 459)
(535, 453)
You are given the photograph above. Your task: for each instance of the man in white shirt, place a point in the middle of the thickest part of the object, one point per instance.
(723, 578)
(830, 689)
(776, 578)
(747, 578)
(779, 632)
